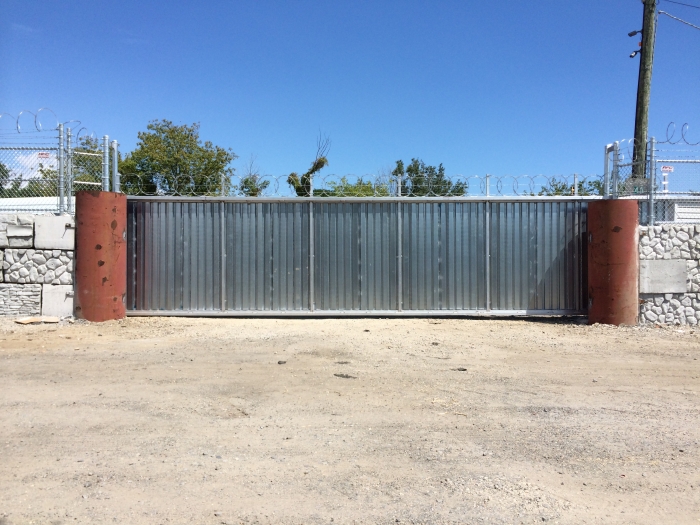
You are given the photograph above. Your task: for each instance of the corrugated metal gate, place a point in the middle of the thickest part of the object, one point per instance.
(356, 256)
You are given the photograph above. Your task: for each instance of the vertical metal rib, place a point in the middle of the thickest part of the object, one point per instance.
(399, 257)
(312, 263)
(487, 255)
(222, 248)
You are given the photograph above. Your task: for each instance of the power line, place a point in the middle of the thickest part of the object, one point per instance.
(681, 3)
(679, 19)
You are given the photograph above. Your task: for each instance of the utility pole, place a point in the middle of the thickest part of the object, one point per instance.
(646, 63)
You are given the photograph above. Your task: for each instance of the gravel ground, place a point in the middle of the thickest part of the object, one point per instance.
(212, 421)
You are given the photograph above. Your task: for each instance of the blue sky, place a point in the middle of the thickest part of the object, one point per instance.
(501, 87)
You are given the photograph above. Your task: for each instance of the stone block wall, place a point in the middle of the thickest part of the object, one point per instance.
(672, 242)
(38, 266)
(16, 231)
(27, 271)
(20, 299)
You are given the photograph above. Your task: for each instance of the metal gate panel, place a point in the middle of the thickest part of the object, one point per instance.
(444, 256)
(537, 258)
(355, 256)
(267, 256)
(462, 255)
(174, 255)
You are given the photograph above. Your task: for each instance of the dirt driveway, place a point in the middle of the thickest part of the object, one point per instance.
(214, 421)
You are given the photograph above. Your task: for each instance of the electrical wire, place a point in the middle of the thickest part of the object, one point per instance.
(681, 3)
(679, 19)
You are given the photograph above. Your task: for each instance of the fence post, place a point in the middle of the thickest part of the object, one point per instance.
(399, 246)
(575, 185)
(116, 183)
(616, 169)
(652, 179)
(487, 207)
(105, 163)
(606, 173)
(69, 168)
(61, 179)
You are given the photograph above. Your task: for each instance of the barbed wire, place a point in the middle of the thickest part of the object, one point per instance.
(29, 128)
(682, 140)
(35, 125)
(367, 186)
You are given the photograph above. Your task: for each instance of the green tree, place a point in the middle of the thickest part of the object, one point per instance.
(8, 188)
(302, 185)
(585, 188)
(171, 159)
(251, 184)
(46, 186)
(420, 180)
(359, 188)
(13, 185)
(87, 164)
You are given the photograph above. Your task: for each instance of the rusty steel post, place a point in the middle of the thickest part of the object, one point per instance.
(613, 262)
(100, 272)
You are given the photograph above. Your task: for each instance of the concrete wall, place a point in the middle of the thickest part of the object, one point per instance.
(37, 256)
(669, 282)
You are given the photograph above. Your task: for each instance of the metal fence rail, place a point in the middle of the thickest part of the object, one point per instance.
(357, 256)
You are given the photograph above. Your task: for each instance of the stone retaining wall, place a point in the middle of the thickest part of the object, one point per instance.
(672, 242)
(20, 299)
(37, 257)
(16, 231)
(38, 266)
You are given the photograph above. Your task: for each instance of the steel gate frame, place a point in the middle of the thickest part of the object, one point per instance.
(496, 222)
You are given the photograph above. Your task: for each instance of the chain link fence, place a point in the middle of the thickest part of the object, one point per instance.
(40, 170)
(675, 192)
(42, 174)
(666, 184)
(29, 178)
